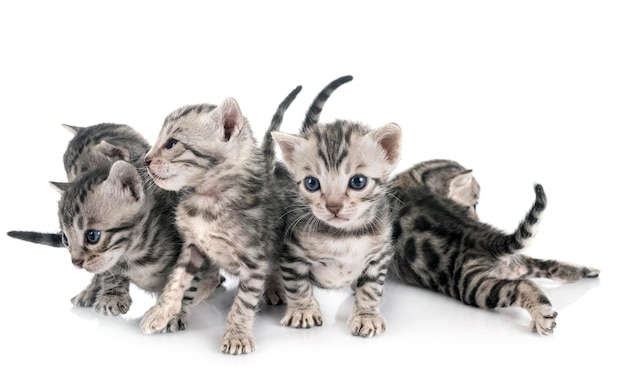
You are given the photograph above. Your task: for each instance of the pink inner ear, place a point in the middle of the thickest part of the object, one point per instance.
(230, 124)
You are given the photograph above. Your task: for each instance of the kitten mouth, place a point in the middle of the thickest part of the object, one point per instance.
(337, 219)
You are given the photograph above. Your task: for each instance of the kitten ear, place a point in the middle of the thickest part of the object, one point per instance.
(61, 187)
(73, 129)
(126, 179)
(289, 144)
(389, 137)
(112, 151)
(460, 180)
(229, 117)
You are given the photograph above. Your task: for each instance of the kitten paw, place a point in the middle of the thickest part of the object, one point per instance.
(591, 273)
(84, 299)
(236, 343)
(545, 320)
(367, 325)
(113, 305)
(302, 318)
(274, 296)
(160, 319)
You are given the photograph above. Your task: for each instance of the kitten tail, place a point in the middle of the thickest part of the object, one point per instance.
(50, 239)
(277, 120)
(312, 116)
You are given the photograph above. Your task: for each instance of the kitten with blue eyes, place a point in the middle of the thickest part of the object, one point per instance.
(338, 220)
(92, 147)
(117, 225)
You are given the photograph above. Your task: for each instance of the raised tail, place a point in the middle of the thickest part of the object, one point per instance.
(312, 116)
(526, 229)
(277, 120)
(51, 239)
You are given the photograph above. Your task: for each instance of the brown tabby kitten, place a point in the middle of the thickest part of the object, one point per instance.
(441, 245)
(338, 219)
(228, 214)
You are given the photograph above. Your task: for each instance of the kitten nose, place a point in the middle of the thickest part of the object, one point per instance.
(334, 208)
(147, 160)
(78, 262)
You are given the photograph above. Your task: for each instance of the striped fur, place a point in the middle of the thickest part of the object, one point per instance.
(337, 236)
(120, 227)
(228, 214)
(442, 246)
(92, 147)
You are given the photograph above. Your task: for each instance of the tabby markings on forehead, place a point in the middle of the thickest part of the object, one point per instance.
(198, 109)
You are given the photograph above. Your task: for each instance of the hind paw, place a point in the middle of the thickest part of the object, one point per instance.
(545, 320)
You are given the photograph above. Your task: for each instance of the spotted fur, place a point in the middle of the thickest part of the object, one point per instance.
(441, 245)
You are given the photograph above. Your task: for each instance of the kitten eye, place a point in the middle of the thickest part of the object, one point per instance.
(358, 182)
(64, 239)
(311, 184)
(92, 236)
(171, 143)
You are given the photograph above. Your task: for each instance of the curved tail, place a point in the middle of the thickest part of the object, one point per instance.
(277, 120)
(526, 229)
(51, 239)
(312, 116)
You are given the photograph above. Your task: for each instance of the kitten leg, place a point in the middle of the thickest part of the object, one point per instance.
(366, 320)
(107, 294)
(522, 266)
(238, 337)
(169, 304)
(490, 293)
(274, 293)
(303, 311)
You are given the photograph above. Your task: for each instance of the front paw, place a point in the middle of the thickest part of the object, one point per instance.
(113, 304)
(544, 320)
(306, 318)
(163, 319)
(367, 325)
(86, 298)
(237, 342)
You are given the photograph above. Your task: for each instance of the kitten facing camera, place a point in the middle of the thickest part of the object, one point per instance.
(338, 222)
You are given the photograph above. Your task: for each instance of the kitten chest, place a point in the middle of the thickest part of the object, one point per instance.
(338, 263)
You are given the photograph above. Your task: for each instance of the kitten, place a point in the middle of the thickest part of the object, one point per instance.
(120, 227)
(89, 148)
(441, 245)
(228, 214)
(338, 221)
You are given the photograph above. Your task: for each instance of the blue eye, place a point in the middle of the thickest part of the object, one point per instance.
(358, 182)
(171, 143)
(311, 184)
(64, 239)
(92, 236)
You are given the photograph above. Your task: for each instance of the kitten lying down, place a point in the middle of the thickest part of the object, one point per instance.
(441, 245)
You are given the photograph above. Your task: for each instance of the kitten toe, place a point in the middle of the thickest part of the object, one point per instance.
(156, 319)
(113, 305)
(302, 319)
(591, 273)
(236, 343)
(367, 325)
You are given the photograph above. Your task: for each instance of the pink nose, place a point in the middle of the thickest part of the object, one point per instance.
(334, 208)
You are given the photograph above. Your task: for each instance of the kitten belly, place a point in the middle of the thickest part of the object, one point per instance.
(336, 264)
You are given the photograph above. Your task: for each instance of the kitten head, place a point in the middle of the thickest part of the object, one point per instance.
(97, 212)
(341, 169)
(101, 145)
(197, 142)
(450, 179)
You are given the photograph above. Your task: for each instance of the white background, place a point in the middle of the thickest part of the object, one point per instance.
(521, 92)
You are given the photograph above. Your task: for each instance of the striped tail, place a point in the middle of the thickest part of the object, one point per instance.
(51, 239)
(526, 229)
(277, 120)
(312, 116)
